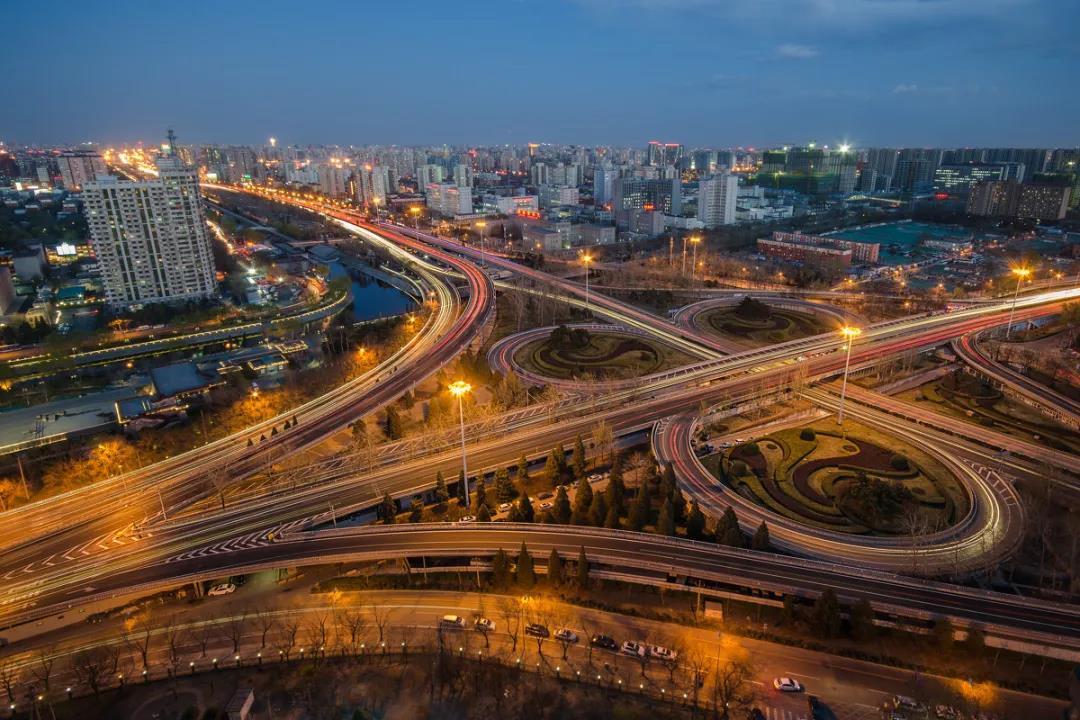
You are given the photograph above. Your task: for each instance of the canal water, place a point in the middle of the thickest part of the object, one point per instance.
(372, 298)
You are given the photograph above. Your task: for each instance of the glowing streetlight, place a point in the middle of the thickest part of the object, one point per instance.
(415, 211)
(694, 240)
(850, 333)
(482, 225)
(586, 258)
(1020, 273)
(458, 388)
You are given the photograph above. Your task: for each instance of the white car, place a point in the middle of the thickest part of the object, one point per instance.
(546, 505)
(484, 625)
(221, 589)
(468, 519)
(595, 478)
(786, 684)
(658, 652)
(566, 635)
(633, 649)
(505, 507)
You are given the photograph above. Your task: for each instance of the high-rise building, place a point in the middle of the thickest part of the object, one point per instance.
(334, 179)
(960, 178)
(717, 198)
(427, 174)
(463, 176)
(663, 153)
(150, 237)
(637, 193)
(79, 168)
(1043, 202)
(603, 185)
(373, 185)
(449, 199)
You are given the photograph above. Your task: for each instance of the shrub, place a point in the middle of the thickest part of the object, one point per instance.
(807, 434)
(739, 468)
(899, 462)
(751, 449)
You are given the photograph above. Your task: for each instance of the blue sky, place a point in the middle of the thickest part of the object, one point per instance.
(701, 72)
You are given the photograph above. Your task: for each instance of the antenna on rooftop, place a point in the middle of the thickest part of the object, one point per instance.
(172, 142)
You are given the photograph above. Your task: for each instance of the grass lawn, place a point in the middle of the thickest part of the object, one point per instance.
(606, 356)
(780, 326)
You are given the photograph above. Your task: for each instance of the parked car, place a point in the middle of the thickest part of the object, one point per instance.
(566, 635)
(452, 622)
(546, 505)
(505, 507)
(605, 642)
(595, 478)
(537, 630)
(907, 704)
(221, 589)
(817, 709)
(658, 652)
(485, 625)
(633, 649)
(468, 519)
(786, 684)
(545, 496)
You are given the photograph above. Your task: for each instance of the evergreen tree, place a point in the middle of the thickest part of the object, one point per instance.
(668, 482)
(791, 612)
(727, 521)
(597, 510)
(862, 620)
(640, 510)
(733, 537)
(388, 510)
(555, 569)
(582, 569)
(461, 488)
(546, 518)
(504, 488)
(479, 496)
(761, 538)
(560, 454)
(526, 575)
(500, 569)
(561, 506)
(695, 522)
(483, 514)
(611, 520)
(678, 502)
(580, 467)
(613, 496)
(825, 617)
(666, 524)
(442, 496)
(522, 470)
(394, 429)
(944, 636)
(525, 508)
(552, 471)
(582, 500)
(514, 515)
(416, 511)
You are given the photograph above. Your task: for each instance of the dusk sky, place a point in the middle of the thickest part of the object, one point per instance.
(704, 73)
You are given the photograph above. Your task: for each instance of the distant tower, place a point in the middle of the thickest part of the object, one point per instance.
(172, 142)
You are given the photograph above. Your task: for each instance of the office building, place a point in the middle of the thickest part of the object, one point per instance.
(636, 193)
(958, 179)
(603, 185)
(717, 200)
(77, 169)
(449, 199)
(150, 237)
(830, 256)
(660, 154)
(552, 195)
(860, 251)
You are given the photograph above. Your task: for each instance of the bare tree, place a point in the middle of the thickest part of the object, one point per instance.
(9, 678)
(91, 667)
(42, 670)
(315, 635)
(235, 628)
(202, 635)
(381, 615)
(172, 642)
(356, 622)
(138, 636)
(266, 621)
(510, 614)
(286, 639)
(733, 688)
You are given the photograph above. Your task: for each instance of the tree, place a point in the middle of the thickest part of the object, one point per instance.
(483, 514)
(522, 470)
(416, 510)
(555, 569)
(825, 616)
(733, 688)
(500, 569)
(504, 488)
(611, 520)
(582, 569)
(442, 495)
(944, 635)
(761, 538)
(640, 509)
(666, 524)
(388, 510)
(862, 620)
(791, 610)
(733, 537)
(583, 496)
(695, 522)
(597, 510)
(552, 469)
(479, 496)
(668, 482)
(580, 467)
(394, 429)
(526, 574)
(561, 509)
(525, 509)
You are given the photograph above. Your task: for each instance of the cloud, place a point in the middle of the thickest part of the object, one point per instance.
(905, 88)
(797, 52)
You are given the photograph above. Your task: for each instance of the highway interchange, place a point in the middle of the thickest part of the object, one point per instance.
(129, 533)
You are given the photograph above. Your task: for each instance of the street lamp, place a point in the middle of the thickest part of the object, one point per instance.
(458, 388)
(1020, 273)
(693, 268)
(586, 258)
(415, 210)
(850, 333)
(482, 225)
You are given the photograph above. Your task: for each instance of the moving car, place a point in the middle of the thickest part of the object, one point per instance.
(633, 649)
(786, 684)
(566, 635)
(658, 652)
(604, 642)
(221, 589)
(484, 625)
(537, 630)
(455, 622)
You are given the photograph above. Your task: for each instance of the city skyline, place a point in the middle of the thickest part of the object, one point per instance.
(741, 75)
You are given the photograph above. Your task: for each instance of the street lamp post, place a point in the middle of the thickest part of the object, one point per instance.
(458, 388)
(586, 258)
(1020, 274)
(850, 333)
(693, 270)
(482, 225)
(415, 210)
